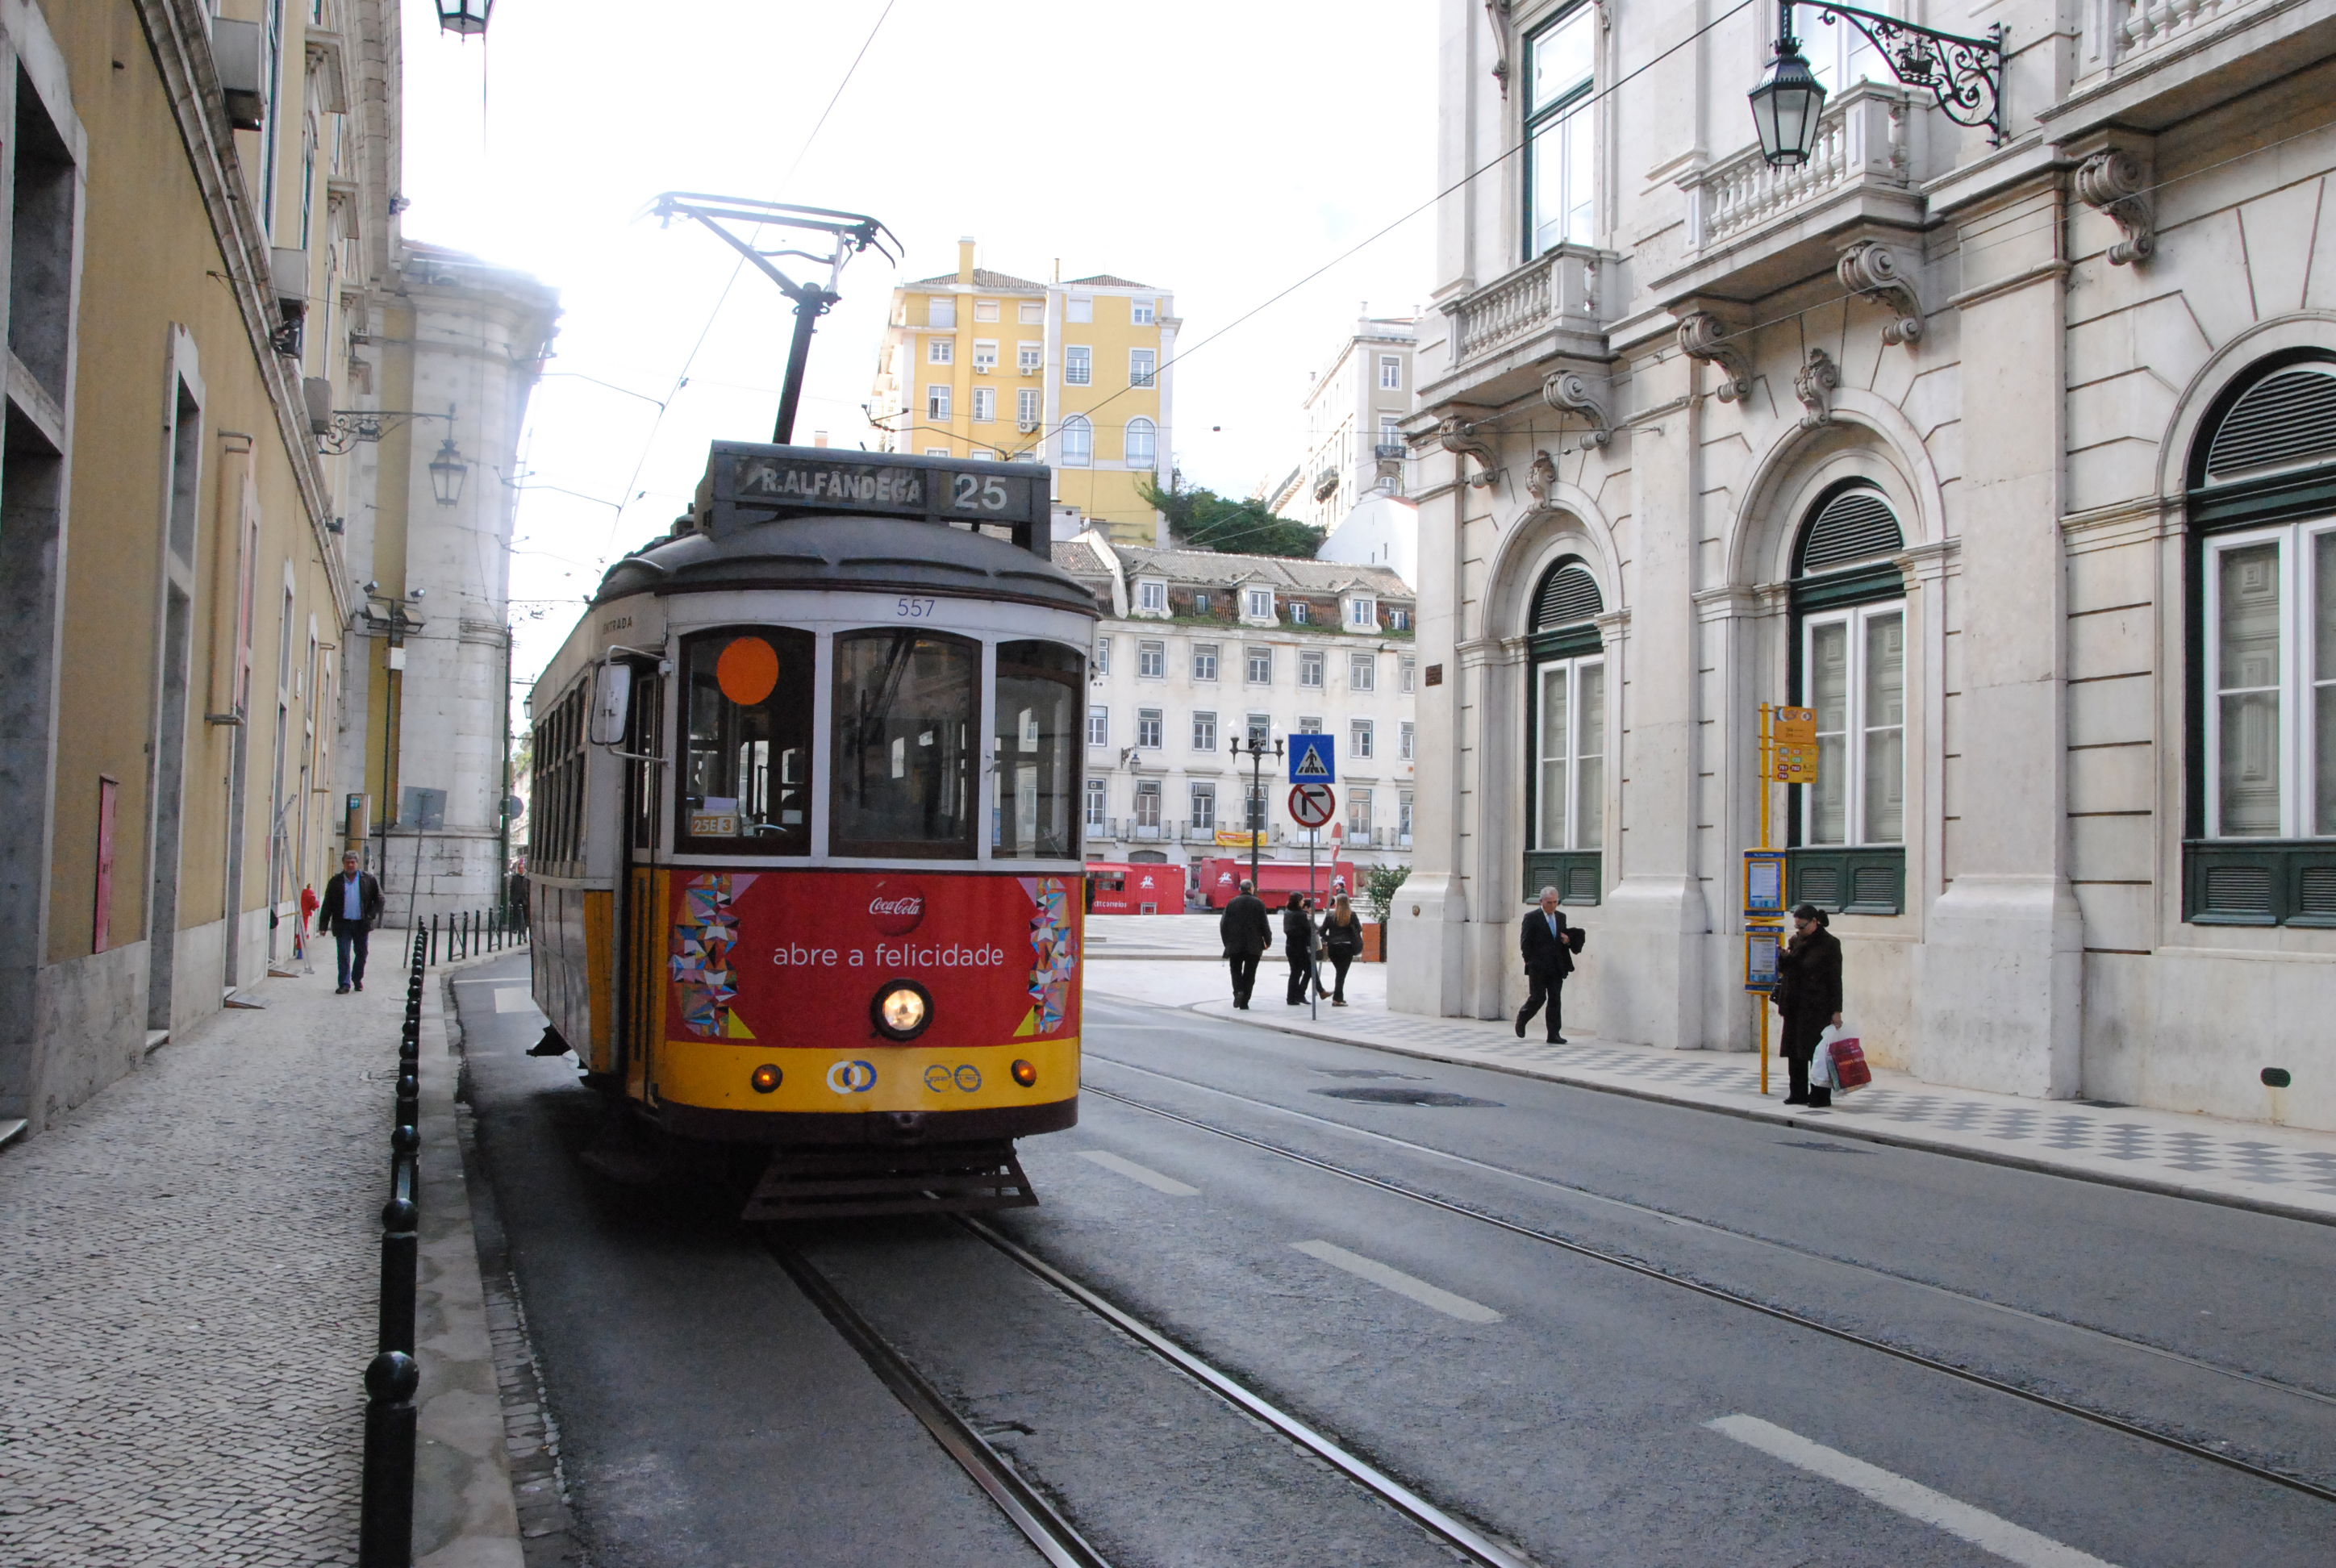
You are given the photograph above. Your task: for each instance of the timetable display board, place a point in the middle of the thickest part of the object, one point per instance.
(1764, 883)
(1764, 941)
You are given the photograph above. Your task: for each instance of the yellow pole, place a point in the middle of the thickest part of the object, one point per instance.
(1760, 1002)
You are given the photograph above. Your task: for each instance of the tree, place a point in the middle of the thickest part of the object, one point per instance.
(1379, 885)
(1203, 520)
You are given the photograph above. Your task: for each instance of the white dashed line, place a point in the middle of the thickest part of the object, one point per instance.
(1144, 1174)
(2012, 1543)
(1401, 1283)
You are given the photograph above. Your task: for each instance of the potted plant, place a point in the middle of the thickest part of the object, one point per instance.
(1379, 885)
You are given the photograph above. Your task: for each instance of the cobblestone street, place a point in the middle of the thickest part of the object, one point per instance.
(189, 1293)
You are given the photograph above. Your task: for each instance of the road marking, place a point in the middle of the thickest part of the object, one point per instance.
(2010, 1542)
(1401, 1283)
(1144, 1174)
(514, 999)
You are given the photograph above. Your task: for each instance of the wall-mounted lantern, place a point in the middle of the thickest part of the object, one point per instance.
(447, 472)
(1965, 75)
(464, 16)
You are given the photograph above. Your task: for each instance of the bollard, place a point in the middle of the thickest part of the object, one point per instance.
(385, 1529)
(400, 1262)
(405, 1144)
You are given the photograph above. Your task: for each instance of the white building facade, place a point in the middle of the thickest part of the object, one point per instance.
(1199, 649)
(2015, 462)
(1355, 409)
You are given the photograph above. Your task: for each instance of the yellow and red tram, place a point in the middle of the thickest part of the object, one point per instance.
(806, 863)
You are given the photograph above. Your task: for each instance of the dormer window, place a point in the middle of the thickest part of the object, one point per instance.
(1152, 597)
(1363, 614)
(1256, 604)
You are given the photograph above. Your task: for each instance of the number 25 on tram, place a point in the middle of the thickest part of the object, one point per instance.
(805, 860)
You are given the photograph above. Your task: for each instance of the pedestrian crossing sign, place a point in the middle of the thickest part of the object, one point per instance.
(1313, 759)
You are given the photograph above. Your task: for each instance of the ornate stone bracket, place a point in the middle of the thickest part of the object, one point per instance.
(1871, 267)
(2118, 183)
(1815, 381)
(1498, 11)
(1569, 392)
(1541, 479)
(1458, 435)
(1703, 335)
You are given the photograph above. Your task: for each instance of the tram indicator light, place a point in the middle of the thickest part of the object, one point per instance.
(766, 1078)
(1025, 1074)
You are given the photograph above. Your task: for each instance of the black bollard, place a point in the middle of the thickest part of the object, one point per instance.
(385, 1530)
(400, 1262)
(404, 1145)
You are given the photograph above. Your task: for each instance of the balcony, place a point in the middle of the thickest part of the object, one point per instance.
(1752, 228)
(2145, 63)
(1502, 334)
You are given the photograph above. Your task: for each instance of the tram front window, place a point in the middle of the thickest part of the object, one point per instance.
(746, 785)
(904, 751)
(1037, 751)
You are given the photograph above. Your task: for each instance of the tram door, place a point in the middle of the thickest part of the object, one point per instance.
(640, 969)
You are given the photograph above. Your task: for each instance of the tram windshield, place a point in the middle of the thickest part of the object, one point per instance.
(746, 785)
(904, 753)
(1037, 751)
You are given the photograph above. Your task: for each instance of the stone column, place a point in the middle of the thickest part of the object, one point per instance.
(1427, 929)
(1999, 977)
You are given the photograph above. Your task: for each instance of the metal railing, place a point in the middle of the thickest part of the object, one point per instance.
(386, 1526)
(467, 933)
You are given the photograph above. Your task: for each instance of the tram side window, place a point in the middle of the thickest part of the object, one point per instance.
(1037, 751)
(904, 756)
(559, 783)
(746, 781)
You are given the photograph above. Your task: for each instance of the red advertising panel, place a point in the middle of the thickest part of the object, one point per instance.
(798, 959)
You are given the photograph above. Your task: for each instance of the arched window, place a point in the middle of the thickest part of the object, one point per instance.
(1143, 443)
(2261, 808)
(1848, 830)
(1079, 441)
(1565, 786)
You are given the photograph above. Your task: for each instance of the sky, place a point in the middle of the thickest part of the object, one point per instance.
(1221, 149)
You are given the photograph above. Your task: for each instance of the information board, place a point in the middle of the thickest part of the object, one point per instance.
(1764, 882)
(1763, 940)
(1793, 745)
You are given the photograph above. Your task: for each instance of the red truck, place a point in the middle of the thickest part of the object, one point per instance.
(1131, 889)
(1221, 878)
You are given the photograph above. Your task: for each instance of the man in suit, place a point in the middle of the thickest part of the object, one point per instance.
(1549, 959)
(350, 909)
(1247, 933)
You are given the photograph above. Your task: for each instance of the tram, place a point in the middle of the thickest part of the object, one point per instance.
(805, 868)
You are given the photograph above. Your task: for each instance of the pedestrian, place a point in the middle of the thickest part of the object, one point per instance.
(350, 907)
(1245, 934)
(1342, 943)
(1297, 945)
(1808, 993)
(1548, 954)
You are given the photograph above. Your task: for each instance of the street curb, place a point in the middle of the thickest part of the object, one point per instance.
(1803, 1123)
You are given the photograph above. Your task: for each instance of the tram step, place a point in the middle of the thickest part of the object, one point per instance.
(811, 1183)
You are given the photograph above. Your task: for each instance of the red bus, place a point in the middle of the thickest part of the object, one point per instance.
(1135, 889)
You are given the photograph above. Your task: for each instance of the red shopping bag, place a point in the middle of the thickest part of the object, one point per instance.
(1849, 1069)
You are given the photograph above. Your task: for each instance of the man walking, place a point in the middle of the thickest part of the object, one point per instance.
(1247, 933)
(351, 905)
(1549, 959)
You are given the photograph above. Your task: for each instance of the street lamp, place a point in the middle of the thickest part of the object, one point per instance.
(1253, 812)
(447, 471)
(464, 16)
(1965, 76)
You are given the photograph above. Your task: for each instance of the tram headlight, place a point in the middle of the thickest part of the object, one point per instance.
(901, 1010)
(1026, 1074)
(766, 1078)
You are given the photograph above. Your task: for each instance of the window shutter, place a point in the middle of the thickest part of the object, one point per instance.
(2286, 419)
(1568, 594)
(1855, 525)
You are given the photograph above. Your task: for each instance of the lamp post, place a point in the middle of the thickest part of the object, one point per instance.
(1965, 76)
(1254, 811)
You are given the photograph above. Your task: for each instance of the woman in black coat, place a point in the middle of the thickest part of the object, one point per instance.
(1808, 993)
(1297, 945)
(1342, 944)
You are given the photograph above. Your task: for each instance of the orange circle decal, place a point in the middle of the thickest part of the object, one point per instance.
(747, 670)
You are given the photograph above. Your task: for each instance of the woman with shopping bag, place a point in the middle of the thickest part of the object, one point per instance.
(1808, 993)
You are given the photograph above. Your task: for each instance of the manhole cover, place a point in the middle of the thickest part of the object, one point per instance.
(1368, 1073)
(1827, 1148)
(1404, 1097)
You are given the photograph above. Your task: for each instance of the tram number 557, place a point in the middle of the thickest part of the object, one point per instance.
(974, 493)
(913, 609)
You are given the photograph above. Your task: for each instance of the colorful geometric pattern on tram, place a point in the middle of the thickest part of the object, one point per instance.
(1055, 955)
(703, 942)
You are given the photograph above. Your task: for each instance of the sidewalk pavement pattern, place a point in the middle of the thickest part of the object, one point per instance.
(2247, 1164)
(190, 1298)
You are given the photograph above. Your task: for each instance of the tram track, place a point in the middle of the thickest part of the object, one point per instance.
(1719, 1293)
(1054, 1536)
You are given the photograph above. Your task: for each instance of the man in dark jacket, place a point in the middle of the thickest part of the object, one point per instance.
(350, 906)
(1549, 959)
(1297, 945)
(1247, 933)
(1808, 993)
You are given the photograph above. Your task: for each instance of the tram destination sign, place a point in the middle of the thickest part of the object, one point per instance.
(746, 484)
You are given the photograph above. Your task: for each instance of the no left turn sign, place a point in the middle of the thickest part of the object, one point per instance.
(1312, 804)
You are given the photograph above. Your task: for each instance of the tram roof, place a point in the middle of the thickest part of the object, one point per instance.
(811, 517)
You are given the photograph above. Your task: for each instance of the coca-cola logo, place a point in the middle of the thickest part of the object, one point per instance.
(896, 908)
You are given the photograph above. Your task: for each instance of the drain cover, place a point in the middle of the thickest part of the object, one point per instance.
(1404, 1097)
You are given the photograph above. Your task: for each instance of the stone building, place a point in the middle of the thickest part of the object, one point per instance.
(1197, 649)
(2014, 457)
(1355, 408)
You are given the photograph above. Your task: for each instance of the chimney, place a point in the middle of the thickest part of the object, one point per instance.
(819, 438)
(965, 260)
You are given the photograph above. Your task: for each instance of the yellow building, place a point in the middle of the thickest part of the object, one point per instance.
(1077, 376)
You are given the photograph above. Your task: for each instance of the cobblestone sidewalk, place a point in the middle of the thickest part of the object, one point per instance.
(188, 1276)
(2247, 1164)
